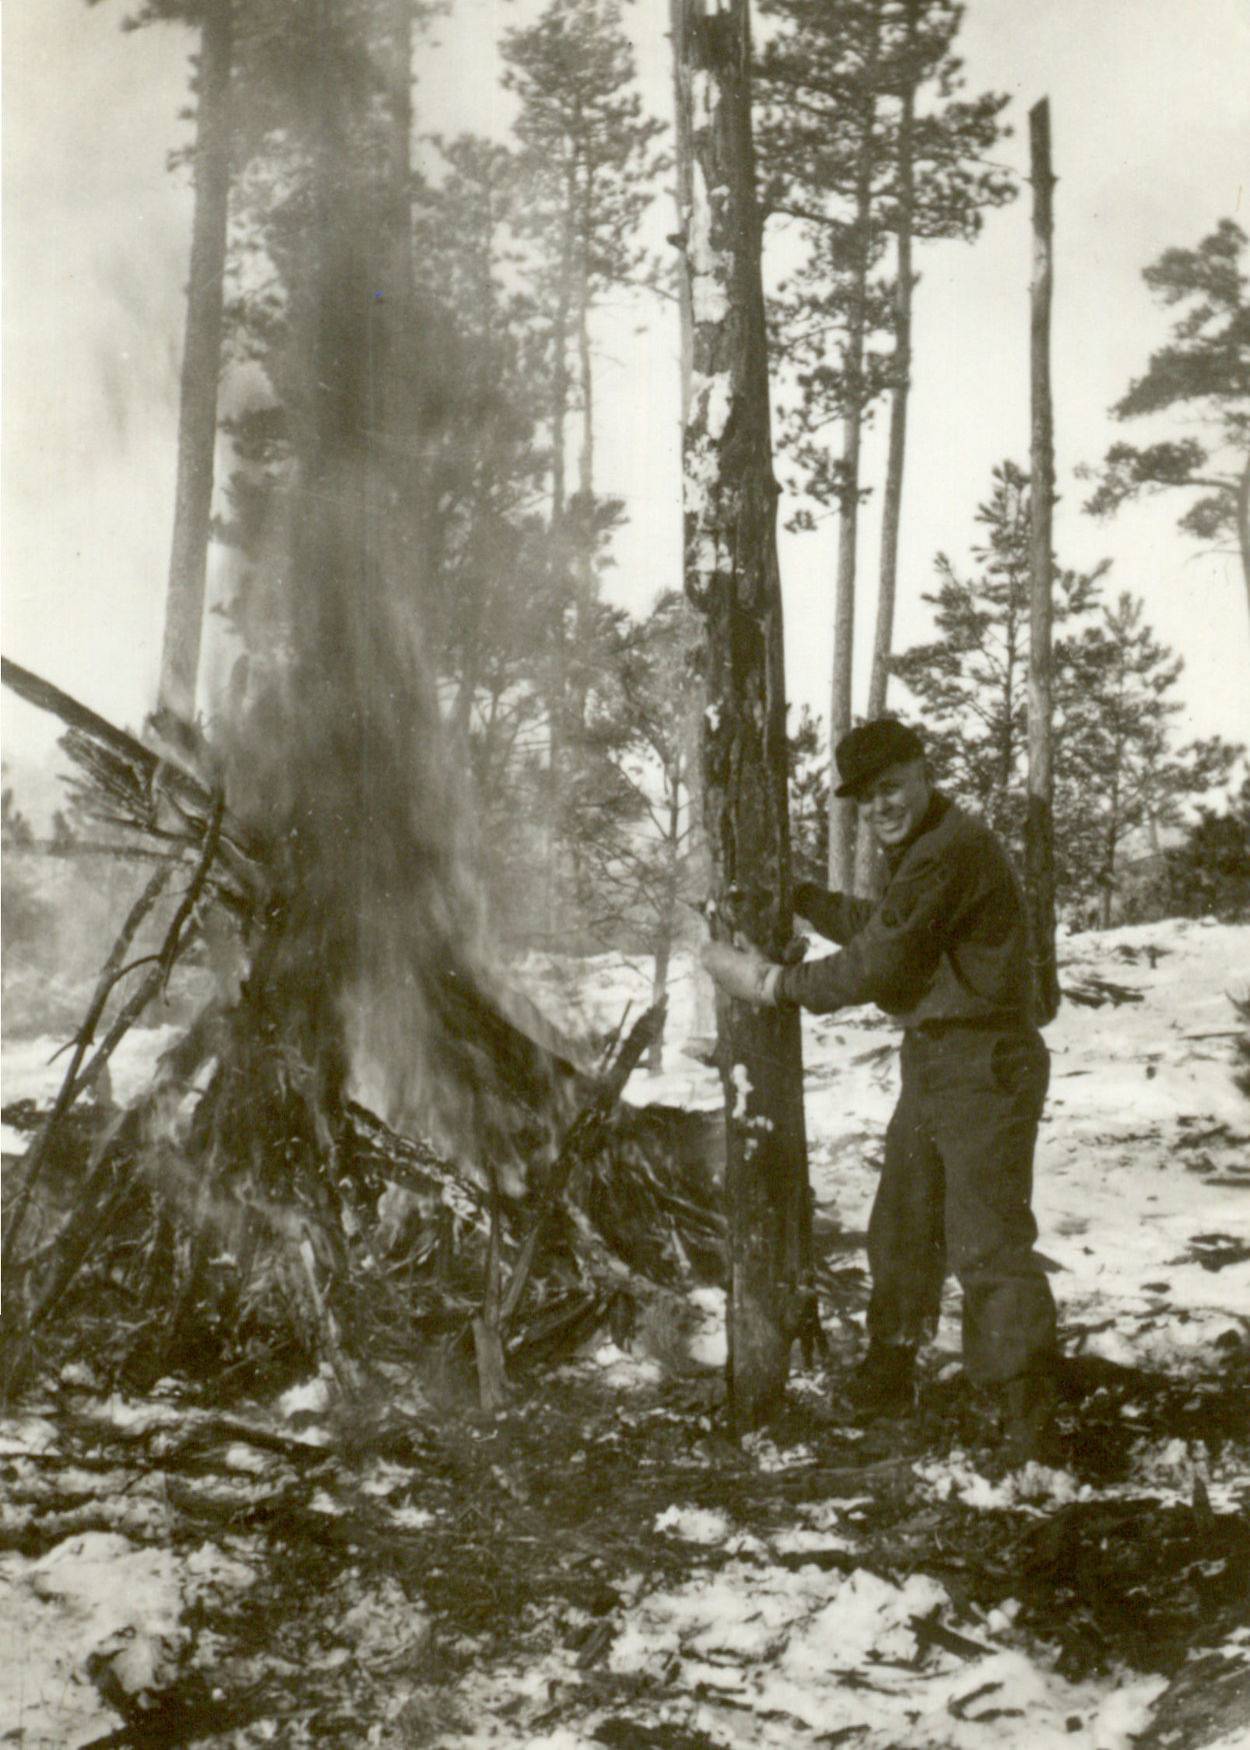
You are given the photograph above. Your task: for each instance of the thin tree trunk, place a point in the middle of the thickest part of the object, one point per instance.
(585, 569)
(1243, 525)
(892, 504)
(842, 814)
(704, 991)
(1108, 885)
(668, 917)
(1039, 831)
(560, 363)
(586, 461)
(732, 578)
(659, 985)
(201, 367)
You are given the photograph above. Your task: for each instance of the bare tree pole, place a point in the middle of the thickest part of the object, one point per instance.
(201, 366)
(842, 814)
(892, 499)
(732, 578)
(1039, 832)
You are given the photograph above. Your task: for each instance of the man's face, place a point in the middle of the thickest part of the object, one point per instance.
(895, 801)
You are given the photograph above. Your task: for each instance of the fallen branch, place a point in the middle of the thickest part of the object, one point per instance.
(581, 1134)
(71, 1086)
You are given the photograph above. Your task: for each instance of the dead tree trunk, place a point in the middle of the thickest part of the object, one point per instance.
(201, 365)
(704, 993)
(666, 922)
(1039, 832)
(731, 576)
(892, 502)
(842, 814)
(1243, 525)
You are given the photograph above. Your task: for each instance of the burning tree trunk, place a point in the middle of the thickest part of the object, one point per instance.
(732, 579)
(201, 364)
(1040, 824)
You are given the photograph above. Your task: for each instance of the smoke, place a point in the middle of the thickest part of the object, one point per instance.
(373, 967)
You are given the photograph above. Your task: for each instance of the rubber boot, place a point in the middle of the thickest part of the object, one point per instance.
(884, 1383)
(1032, 1435)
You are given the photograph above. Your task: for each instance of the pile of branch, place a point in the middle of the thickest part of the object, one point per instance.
(244, 1212)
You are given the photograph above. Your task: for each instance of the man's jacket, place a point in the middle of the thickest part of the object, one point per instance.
(947, 941)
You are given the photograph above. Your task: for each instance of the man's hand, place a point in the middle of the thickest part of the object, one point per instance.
(741, 972)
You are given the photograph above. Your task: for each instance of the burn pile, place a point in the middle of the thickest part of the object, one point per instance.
(314, 848)
(247, 1212)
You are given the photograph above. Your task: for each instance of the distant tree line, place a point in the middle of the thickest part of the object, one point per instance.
(1123, 786)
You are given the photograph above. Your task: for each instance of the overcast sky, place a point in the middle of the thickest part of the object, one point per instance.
(1151, 129)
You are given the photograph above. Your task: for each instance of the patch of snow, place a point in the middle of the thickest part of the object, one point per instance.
(742, 1089)
(1125, 1713)
(800, 1541)
(310, 1396)
(708, 1343)
(383, 1478)
(137, 1418)
(96, 1598)
(624, 1368)
(384, 1628)
(769, 1457)
(239, 1456)
(411, 1518)
(20, 1434)
(694, 1524)
(210, 1571)
(1033, 1486)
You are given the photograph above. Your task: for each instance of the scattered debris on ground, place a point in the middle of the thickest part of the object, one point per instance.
(598, 1564)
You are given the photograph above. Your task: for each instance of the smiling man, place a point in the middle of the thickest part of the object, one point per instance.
(945, 952)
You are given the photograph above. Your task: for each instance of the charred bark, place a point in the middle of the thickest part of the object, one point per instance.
(1039, 832)
(732, 578)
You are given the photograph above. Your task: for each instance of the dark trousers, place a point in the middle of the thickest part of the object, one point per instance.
(955, 1193)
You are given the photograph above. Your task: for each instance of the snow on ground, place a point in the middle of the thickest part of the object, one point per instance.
(758, 1653)
(96, 1613)
(1143, 1199)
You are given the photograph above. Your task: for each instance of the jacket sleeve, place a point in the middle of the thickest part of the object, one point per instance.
(897, 947)
(837, 916)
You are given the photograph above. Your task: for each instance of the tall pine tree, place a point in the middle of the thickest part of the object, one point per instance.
(1202, 371)
(864, 138)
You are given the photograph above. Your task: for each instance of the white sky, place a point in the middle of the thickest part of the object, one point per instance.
(1151, 124)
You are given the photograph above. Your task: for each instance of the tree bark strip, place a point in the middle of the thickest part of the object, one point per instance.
(1039, 824)
(842, 814)
(892, 502)
(732, 578)
(201, 367)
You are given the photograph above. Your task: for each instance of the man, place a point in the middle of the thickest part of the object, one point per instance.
(945, 952)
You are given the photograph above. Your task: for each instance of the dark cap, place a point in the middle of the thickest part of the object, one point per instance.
(869, 748)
